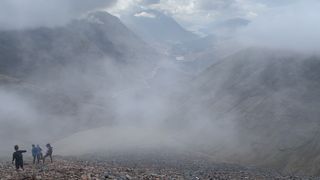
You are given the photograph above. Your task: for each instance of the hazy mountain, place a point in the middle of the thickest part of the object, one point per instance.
(255, 106)
(226, 27)
(192, 52)
(156, 27)
(272, 97)
(67, 76)
(93, 37)
(200, 54)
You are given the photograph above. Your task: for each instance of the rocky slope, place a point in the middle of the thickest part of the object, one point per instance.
(138, 167)
(272, 99)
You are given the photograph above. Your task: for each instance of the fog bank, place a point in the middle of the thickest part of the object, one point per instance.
(20, 14)
(295, 26)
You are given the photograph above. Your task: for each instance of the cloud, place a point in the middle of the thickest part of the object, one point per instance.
(194, 14)
(16, 14)
(295, 27)
(145, 14)
(275, 3)
(150, 2)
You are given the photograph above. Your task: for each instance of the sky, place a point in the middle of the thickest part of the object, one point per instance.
(20, 14)
(189, 13)
(295, 26)
(193, 14)
(284, 24)
(273, 22)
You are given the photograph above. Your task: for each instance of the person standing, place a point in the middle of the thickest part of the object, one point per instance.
(39, 155)
(34, 153)
(17, 157)
(49, 153)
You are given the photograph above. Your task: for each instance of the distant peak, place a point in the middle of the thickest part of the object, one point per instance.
(99, 17)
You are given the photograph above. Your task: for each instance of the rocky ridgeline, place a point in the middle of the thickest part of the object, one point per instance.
(137, 168)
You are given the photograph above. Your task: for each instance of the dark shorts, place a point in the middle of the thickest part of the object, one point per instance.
(48, 154)
(19, 165)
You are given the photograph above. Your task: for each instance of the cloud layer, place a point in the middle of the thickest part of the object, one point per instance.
(17, 14)
(293, 27)
(287, 24)
(195, 14)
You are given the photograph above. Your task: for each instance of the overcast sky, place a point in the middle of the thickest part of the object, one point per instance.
(274, 22)
(198, 13)
(288, 24)
(189, 13)
(296, 26)
(17, 14)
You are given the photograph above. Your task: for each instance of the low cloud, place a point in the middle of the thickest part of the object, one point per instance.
(194, 14)
(145, 14)
(292, 27)
(150, 2)
(18, 14)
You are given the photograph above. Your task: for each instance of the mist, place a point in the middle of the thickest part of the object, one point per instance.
(19, 14)
(292, 27)
(92, 83)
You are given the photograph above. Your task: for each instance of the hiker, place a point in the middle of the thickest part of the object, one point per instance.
(49, 152)
(34, 153)
(18, 157)
(39, 155)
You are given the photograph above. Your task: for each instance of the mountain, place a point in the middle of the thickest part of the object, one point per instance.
(253, 106)
(199, 54)
(189, 51)
(269, 100)
(226, 27)
(55, 81)
(156, 27)
(95, 36)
